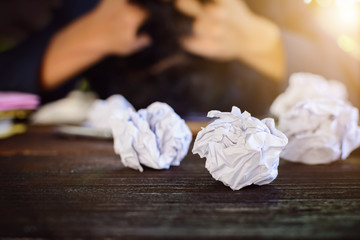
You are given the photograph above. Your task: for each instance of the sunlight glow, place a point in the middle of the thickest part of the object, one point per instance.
(347, 43)
(325, 3)
(341, 19)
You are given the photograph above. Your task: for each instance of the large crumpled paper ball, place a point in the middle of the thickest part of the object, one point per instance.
(304, 86)
(102, 110)
(320, 131)
(155, 137)
(240, 150)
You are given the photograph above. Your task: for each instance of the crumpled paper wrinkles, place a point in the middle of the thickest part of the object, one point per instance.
(305, 86)
(320, 131)
(101, 111)
(240, 150)
(155, 137)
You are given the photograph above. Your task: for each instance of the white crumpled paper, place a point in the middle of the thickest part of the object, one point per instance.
(155, 137)
(101, 111)
(304, 86)
(72, 109)
(320, 131)
(240, 150)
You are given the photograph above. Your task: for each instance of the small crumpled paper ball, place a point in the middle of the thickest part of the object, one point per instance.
(72, 109)
(304, 86)
(155, 137)
(320, 131)
(101, 111)
(240, 150)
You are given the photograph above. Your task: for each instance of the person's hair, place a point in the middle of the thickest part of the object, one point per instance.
(190, 84)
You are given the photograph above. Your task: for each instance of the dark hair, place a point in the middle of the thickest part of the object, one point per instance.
(190, 84)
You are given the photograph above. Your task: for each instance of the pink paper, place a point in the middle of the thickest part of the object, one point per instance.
(17, 101)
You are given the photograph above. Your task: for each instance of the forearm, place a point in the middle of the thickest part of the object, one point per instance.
(111, 28)
(70, 51)
(228, 30)
(264, 51)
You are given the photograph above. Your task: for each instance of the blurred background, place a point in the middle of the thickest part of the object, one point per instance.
(19, 18)
(340, 18)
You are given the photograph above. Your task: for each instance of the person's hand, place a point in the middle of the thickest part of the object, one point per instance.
(228, 30)
(220, 28)
(115, 24)
(110, 29)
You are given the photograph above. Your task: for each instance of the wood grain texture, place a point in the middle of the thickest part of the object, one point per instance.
(77, 188)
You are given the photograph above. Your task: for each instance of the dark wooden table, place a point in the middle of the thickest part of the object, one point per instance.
(77, 188)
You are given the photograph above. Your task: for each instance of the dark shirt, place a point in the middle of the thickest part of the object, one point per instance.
(165, 72)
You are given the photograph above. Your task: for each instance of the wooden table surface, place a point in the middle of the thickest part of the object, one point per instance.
(77, 188)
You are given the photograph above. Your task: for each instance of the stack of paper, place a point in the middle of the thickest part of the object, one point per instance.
(15, 106)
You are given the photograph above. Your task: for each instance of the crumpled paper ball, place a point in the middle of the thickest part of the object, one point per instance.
(155, 137)
(240, 150)
(320, 131)
(72, 109)
(101, 111)
(304, 86)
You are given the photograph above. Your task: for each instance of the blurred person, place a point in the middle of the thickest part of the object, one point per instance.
(196, 55)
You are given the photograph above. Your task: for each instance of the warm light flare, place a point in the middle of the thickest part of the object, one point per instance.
(345, 3)
(348, 44)
(348, 14)
(329, 3)
(341, 19)
(325, 3)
